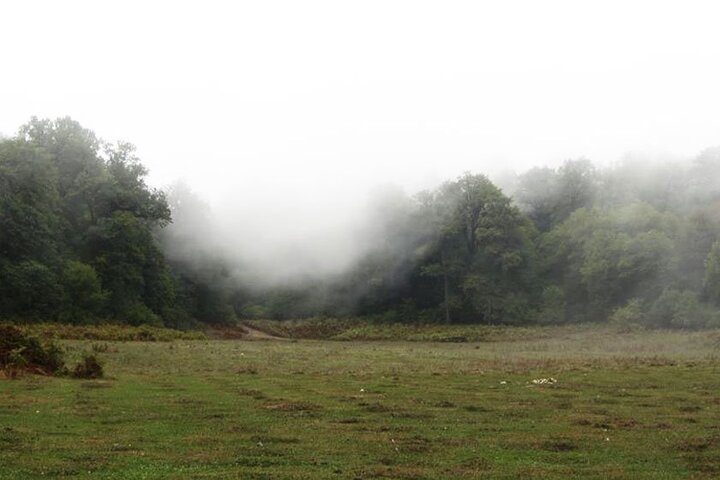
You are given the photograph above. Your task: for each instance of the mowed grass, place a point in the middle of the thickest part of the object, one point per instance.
(626, 405)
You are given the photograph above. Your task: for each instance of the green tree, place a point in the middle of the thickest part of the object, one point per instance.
(30, 290)
(602, 259)
(577, 188)
(537, 195)
(29, 203)
(84, 299)
(481, 251)
(76, 215)
(711, 284)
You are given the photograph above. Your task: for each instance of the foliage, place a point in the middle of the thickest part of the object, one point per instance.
(84, 299)
(84, 240)
(632, 313)
(602, 263)
(362, 329)
(549, 196)
(28, 202)
(22, 352)
(711, 285)
(479, 246)
(29, 288)
(679, 309)
(552, 305)
(109, 332)
(77, 241)
(88, 367)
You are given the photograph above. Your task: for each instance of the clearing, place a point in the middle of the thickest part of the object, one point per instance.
(642, 404)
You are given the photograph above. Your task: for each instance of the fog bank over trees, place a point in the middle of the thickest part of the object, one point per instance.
(579, 242)
(84, 239)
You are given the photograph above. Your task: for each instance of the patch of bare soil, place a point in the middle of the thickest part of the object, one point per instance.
(241, 332)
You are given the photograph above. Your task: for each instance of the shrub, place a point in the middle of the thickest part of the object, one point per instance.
(29, 289)
(110, 332)
(139, 314)
(631, 313)
(19, 351)
(102, 348)
(178, 319)
(679, 309)
(88, 367)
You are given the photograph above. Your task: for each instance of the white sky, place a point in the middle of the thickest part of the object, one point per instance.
(301, 104)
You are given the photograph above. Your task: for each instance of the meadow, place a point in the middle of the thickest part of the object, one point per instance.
(560, 402)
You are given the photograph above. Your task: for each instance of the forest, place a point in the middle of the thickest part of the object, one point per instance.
(85, 240)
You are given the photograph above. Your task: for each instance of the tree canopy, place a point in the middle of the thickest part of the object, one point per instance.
(84, 239)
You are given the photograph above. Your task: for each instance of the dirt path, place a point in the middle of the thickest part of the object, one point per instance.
(242, 332)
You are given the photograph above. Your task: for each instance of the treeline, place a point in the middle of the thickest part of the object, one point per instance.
(78, 231)
(634, 243)
(83, 239)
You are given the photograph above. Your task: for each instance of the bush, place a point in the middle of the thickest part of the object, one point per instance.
(679, 309)
(19, 351)
(631, 313)
(110, 332)
(179, 319)
(102, 348)
(139, 314)
(88, 367)
(29, 289)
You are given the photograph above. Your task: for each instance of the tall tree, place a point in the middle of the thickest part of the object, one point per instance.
(480, 246)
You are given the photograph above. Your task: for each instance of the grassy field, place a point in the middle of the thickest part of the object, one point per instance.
(614, 405)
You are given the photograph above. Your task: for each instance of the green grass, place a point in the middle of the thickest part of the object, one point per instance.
(361, 329)
(642, 405)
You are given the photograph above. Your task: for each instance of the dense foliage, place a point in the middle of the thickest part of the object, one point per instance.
(83, 239)
(21, 352)
(77, 231)
(635, 243)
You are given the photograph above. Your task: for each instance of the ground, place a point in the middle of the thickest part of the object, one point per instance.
(642, 404)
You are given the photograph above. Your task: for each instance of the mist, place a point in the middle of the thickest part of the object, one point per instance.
(279, 104)
(266, 242)
(382, 238)
(321, 149)
(291, 235)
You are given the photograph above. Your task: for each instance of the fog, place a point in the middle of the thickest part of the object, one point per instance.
(271, 241)
(287, 118)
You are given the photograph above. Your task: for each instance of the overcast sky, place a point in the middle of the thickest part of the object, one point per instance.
(290, 104)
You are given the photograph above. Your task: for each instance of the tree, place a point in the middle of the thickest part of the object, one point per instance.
(480, 246)
(83, 297)
(604, 258)
(29, 289)
(537, 196)
(711, 284)
(127, 190)
(577, 185)
(29, 203)
(75, 213)
(73, 151)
